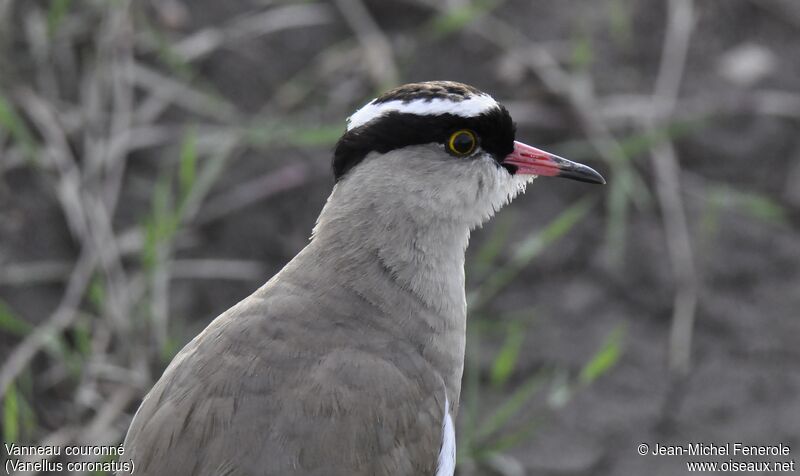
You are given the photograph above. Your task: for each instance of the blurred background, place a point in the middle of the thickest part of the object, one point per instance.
(160, 160)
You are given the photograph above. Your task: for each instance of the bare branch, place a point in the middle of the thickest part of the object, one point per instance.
(250, 26)
(256, 190)
(62, 318)
(668, 187)
(380, 55)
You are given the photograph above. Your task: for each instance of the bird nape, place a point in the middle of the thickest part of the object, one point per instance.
(349, 360)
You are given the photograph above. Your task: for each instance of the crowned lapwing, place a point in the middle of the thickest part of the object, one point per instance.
(349, 360)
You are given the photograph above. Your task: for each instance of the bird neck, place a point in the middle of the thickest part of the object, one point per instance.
(422, 254)
(407, 268)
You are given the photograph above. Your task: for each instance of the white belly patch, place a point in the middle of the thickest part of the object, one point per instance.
(447, 455)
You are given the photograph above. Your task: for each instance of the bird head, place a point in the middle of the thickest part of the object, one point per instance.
(446, 148)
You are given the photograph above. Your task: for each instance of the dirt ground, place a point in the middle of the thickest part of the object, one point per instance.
(278, 94)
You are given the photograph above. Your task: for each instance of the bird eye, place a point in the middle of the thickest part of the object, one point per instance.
(462, 143)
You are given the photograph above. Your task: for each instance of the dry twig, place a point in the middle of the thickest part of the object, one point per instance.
(250, 26)
(64, 315)
(285, 178)
(668, 187)
(380, 55)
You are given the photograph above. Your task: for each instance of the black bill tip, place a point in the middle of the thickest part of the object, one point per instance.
(575, 171)
(584, 174)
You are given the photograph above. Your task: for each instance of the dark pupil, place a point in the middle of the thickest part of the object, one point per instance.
(462, 143)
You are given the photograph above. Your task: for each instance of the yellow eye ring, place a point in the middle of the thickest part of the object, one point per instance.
(462, 142)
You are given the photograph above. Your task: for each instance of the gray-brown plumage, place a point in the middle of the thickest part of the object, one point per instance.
(349, 361)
